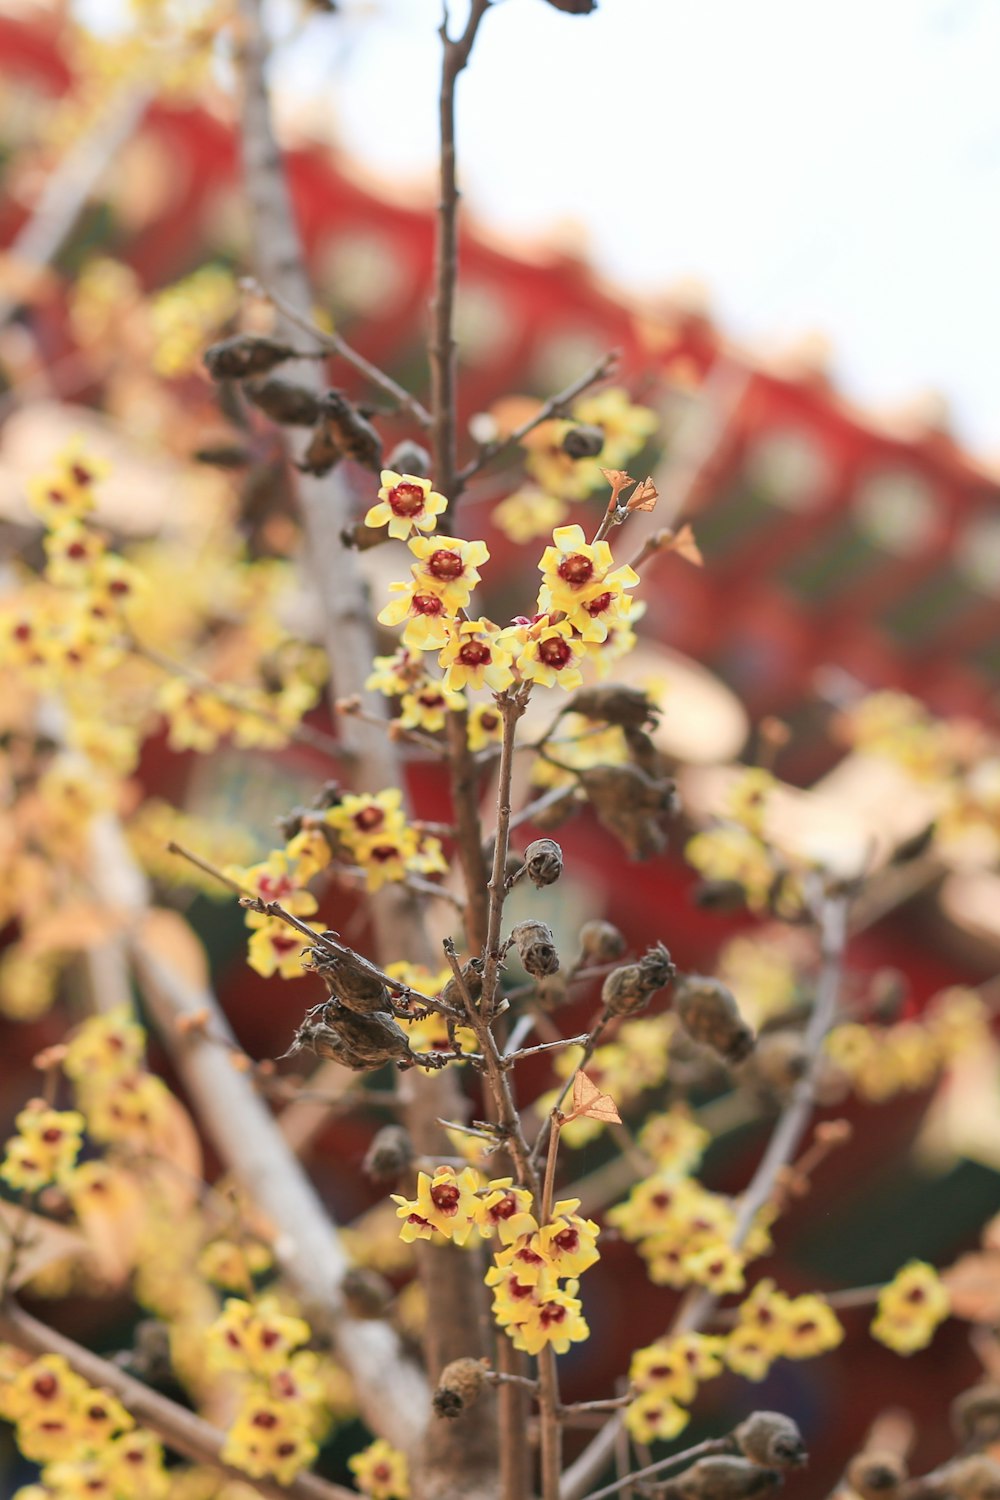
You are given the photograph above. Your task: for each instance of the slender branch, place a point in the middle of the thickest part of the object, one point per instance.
(181, 1429)
(553, 407)
(547, 799)
(697, 1308)
(334, 344)
(443, 348)
(700, 1450)
(469, 834)
(511, 709)
(510, 1058)
(550, 1431)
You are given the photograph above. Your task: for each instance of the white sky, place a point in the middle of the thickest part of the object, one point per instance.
(817, 166)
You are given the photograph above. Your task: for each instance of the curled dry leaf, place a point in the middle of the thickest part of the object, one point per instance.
(685, 546)
(590, 1104)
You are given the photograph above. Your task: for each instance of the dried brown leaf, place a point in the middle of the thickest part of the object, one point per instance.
(685, 546)
(590, 1104)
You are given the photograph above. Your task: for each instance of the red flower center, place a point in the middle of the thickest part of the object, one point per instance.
(119, 586)
(427, 604)
(555, 652)
(368, 818)
(382, 1473)
(916, 1295)
(265, 1419)
(416, 1219)
(475, 654)
(52, 1135)
(599, 605)
(76, 550)
(505, 1208)
(551, 1312)
(489, 722)
(406, 499)
(81, 475)
(444, 563)
(576, 569)
(57, 497)
(282, 944)
(273, 887)
(568, 1240)
(382, 853)
(285, 1450)
(518, 1290)
(22, 631)
(269, 1338)
(431, 699)
(446, 1198)
(662, 1200)
(807, 1327)
(45, 1386)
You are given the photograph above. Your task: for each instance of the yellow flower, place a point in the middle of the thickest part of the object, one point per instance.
(66, 493)
(427, 707)
(551, 655)
(309, 851)
(198, 719)
(626, 427)
(381, 1472)
(446, 1202)
(406, 501)
(524, 1263)
(527, 514)
(811, 1327)
(73, 553)
(555, 1319)
(276, 948)
(269, 1438)
(448, 566)
(652, 1415)
(107, 1045)
(126, 1107)
(395, 674)
(748, 1352)
(568, 1242)
(45, 1388)
(673, 1140)
(425, 611)
(386, 857)
(663, 1369)
(45, 1149)
(506, 1211)
(233, 1266)
(910, 1308)
(579, 578)
(733, 853)
(485, 726)
(718, 1267)
(364, 815)
(256, 1338)
(476, 656)
(134, 1462)
(553, 469)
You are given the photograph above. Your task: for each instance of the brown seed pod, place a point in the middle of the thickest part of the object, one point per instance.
(342, 429)
(409, 457)
(543, 860)
(601, 941)
(472, 975)
(778, 1060)
(772, 1439)
(283, 401)
(536, 948)
(245, 354)
(459, 1387)
(876, 1474)
(630, 805)
(352, 980)
(366, 1293)
(585, 441)
(709, 1014)
(628, 989)
(360, 1042)
(389, 1154)
(718, 895)
(722, 1478)
(615, 703)
(975, 1414)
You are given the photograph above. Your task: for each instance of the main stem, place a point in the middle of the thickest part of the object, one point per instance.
(548, 1373)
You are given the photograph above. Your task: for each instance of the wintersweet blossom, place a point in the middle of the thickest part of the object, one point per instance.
(579, 578)
(406, 501)
(425, 612)
(446, 1203)
(506, 1211)
(476, 655)
(45, 1147)
(551, 654)
(485, 726)
(654, 1415)
(448, 566)
(381, 1471)
(910, 1308)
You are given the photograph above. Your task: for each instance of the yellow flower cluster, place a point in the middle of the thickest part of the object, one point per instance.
(372, 829)
(275, 947)
(635, 1061)
(883, 1061)
(119, 1099)
(683, 1232)
(85, 1440)
(556, 477)
(666, 1376)
(185, 317)
(282, 1401)
(528, 1301)
(910, 1308)
(735, 850)
(771, 1325)
(45, 1147)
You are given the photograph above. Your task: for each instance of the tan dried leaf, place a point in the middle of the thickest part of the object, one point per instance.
(618, 480)
(590, 1104)
(685, 546)
(644, 496)
(973, 1284)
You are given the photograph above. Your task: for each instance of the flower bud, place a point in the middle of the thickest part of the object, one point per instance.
(543, 861)
(709, 1014)
(536, 948)
(771, 1439)
(975, 1414)
(585, 441)
(876, 1475)
(459, 1386)
(389, 1154)
(601, 941)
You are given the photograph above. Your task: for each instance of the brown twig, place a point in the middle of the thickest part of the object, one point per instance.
(511, 708)
(553, 407)
(183, 1431)
(442, 351)
(550, 1431)
(334, 344)
(700, 1450)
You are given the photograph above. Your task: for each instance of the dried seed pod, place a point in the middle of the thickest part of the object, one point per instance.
(876, 1474)
(772, 1439)
(601, 941)
(283, 401)
(366, 1293)
(975, 1414)
(357, 1041)
(389, 1154)
(709, 1014)
(352, 980)
(543, 861)
(722, 1478)
(342, 433)
(585, 441)
(409, 457)
(628, 989)
(459, 1387)
(323, 454)
(615, 703)
(778, 1061)
(472, 975)
(630, 804)
(245, 354)
(536, 948)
